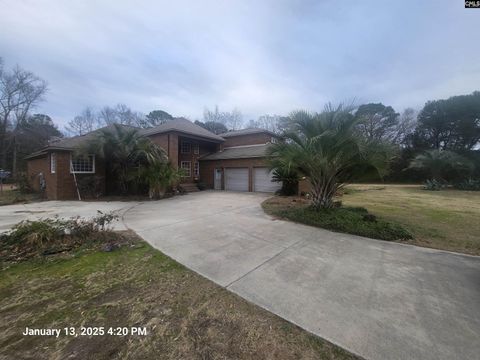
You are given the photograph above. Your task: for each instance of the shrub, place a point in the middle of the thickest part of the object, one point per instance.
(90, 186)
(201, 185)
(469, 184)
(23, 185)
(434, 185)
(349, 220)
(52, 235)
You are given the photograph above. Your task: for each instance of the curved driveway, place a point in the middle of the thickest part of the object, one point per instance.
(377, 299)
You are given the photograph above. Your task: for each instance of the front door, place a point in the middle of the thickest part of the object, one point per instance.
(218, 179)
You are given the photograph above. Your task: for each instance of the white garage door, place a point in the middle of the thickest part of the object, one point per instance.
(262, 181)
(236, 179)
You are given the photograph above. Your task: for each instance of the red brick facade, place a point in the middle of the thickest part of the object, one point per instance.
(250, 139)
(61, 184)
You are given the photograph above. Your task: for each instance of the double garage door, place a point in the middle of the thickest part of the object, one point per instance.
(237, 179)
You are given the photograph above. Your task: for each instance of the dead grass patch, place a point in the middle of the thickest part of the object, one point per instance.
(186, 315)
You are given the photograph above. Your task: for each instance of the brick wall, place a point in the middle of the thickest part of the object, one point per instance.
(204, 148)
(42, 165)
(169, 143)
(249, 139)
(61, 184)
(207, 168)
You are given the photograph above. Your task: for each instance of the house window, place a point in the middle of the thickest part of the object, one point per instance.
(53, 163)
(196, 169)
(196, 149)
(185, 149)
(273, 140)
(82, 164)
(187, 168)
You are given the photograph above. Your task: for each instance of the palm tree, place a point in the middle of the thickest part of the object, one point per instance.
(126, 150)
(442, 165)
(325, 149)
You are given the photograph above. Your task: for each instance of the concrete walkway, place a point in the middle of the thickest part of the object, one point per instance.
(377, 299)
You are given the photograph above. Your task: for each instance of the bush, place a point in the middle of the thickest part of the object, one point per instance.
(23, 185)
(201, 185)
(90, 186)
(469, 184)
(434, 185)
(349, 220)
(52, 235)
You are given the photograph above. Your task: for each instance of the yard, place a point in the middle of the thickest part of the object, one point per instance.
(10, 195)
(446, 219)
(186, 316)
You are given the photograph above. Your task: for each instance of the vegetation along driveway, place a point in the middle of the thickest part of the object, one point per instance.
(377, 299)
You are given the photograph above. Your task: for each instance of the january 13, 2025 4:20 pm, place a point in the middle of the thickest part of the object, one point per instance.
(87, 331)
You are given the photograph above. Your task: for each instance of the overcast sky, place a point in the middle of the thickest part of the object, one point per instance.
(259, 56)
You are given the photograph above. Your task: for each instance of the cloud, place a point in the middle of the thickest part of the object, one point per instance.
(261, 57)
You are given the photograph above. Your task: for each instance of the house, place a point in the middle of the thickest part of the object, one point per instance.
(232, 161)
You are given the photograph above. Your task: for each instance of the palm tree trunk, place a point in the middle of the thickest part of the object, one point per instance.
(322, 195)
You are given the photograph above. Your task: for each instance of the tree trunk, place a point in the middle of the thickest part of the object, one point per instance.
(322, 195)
(14, 160)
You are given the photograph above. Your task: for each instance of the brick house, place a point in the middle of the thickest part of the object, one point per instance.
(232, 161)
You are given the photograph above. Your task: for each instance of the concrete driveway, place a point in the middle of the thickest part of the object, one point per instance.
(12, 214)
(377, 299)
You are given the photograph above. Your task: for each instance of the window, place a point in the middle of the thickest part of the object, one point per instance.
(187, 168)
(185, 149)
(273, 140)
(53, 163)
(196, 149)
(82, 164)
(196, 169)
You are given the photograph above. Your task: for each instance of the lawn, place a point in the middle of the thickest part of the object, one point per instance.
(447, 219)
(185, 315)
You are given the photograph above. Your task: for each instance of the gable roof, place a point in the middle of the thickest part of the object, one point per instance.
(73, 142)
(239, 152)
(184, 126)
(248, 131)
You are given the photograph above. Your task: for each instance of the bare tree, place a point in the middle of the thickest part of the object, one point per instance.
(212, 116)
(120, 114)
(406, 126)
(83, 123)
(273, 123)
(232, 120)
(20, 91)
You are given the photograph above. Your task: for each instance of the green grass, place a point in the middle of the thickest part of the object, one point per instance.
(350, 220)
(446, 219)
(186, 315)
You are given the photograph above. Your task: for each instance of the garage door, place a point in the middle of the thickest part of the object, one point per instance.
(236, 179)
(262, 181)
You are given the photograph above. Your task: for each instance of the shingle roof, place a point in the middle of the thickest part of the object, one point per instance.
(246, 132)
(239, 152)
(184, 126)
(74, 142)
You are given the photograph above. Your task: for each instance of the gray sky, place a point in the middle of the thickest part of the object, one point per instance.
(259, 56)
